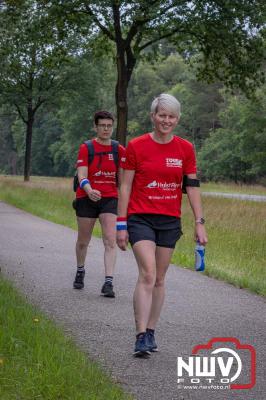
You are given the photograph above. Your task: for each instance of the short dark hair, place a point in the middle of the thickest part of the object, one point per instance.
(102, 114)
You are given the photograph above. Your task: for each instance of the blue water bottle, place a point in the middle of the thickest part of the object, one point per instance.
(199, 257)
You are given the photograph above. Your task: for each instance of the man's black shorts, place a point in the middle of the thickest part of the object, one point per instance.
(86, 208)
(164, 230)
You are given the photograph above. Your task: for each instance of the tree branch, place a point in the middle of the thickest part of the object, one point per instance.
(139, 22)
(131, 62)
(99, 24)
(40, 101)
(20, 113)
(160, 37)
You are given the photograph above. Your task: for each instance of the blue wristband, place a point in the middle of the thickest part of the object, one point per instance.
(83, 182)
(121, 226)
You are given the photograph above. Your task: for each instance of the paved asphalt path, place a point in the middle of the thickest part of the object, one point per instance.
(38, 256)
(250, 197)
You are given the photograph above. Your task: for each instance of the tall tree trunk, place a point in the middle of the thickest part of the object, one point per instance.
(29, 125)
(121, 100)
(125, 66)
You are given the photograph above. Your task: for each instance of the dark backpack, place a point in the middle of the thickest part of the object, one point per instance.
(92, 153)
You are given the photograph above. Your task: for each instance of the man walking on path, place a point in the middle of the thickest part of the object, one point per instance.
(96, 197)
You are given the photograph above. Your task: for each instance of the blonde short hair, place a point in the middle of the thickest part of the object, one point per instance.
(167, 102)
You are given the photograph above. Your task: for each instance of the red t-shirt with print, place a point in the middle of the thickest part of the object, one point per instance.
(102, 177)
(159, 170)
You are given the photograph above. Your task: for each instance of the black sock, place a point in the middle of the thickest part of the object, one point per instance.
(148, 330)
(81, 268)
(108, 279)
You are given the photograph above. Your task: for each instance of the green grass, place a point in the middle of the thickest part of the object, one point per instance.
(37, 361)
(48, 198)
(236, 251)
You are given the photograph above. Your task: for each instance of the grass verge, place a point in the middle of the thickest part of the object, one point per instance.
(236, 251)
(37, 361)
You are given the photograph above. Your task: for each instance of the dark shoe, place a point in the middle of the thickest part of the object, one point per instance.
(151, 342)
(141, 346)
(79, 280)
(107, 290)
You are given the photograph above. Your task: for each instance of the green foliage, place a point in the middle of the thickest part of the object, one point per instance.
(32, 52)
(31, 55)
(18, 136)
(90, 88)
(64, 54)
(228, 131)
(8, 155)
(47, 131)
(233, 47)
(227, 38)
(237, 151)
(199, 102)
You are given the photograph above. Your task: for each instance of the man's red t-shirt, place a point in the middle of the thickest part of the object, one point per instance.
(102, 177)
(159, 170)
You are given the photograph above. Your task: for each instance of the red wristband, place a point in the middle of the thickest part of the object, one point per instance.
(121, 219)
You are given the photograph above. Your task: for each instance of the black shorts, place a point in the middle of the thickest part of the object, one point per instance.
(86, 208)
(164, 230)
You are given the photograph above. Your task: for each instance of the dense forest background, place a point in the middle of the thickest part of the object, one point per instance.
(228, 129)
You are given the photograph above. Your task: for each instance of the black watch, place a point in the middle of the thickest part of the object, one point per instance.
(200, 221)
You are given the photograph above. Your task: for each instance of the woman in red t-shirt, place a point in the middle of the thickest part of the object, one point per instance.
(96, 197)
(149, 210)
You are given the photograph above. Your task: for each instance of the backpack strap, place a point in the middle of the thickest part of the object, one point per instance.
(115, 145)
(90, 151)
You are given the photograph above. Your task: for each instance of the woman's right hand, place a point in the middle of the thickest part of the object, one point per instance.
(94, 195)
(122, 239)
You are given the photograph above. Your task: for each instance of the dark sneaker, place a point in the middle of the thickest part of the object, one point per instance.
(141, 346)
(107, 290)
(151, 342)
(79, 280)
